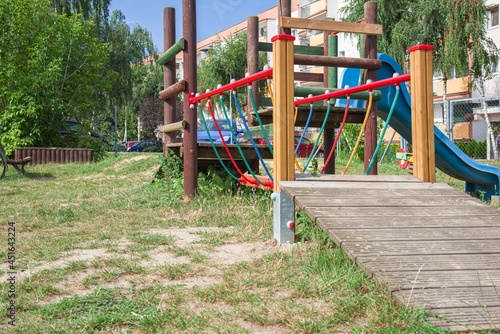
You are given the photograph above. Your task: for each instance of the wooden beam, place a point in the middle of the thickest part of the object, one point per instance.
(303, 76)
(172, 90)
(301, 49)
(172, 127)
(371, 64)
(172, 52)
(323, 25)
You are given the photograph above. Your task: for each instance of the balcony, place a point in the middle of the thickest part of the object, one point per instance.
(458, 86)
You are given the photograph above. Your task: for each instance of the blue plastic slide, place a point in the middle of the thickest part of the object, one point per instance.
(483, 180)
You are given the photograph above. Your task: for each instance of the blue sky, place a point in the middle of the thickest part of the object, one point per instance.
(212, 15)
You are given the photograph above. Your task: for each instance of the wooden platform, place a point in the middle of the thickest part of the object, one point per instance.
(435, 247)
(207, 156)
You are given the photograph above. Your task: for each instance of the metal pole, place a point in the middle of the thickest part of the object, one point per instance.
(116, 131)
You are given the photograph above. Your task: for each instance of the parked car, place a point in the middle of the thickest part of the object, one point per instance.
(214, 134)
(306, 146)
(147, 145)
(131, 142)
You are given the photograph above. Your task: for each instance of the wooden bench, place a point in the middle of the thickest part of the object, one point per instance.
(17, 164)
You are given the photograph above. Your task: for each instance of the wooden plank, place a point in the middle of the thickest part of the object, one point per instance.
(452, 325)
(324, 25)
(413, 234)
(383, 201)
(383, 264)
(358, 178)
(409, 280)
(362, 185)
(422, 247)
(336, 223)
(346, 192)
(453, 297)
(478, 210)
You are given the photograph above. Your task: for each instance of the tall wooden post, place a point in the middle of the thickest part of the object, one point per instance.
(169, 75)
(253, 55)
(283, 112)
(284, 169)
(370, 47)
(190, 115)
(329, 133)
(422, 113)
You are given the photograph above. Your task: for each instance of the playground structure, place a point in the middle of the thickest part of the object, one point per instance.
(396, 228)
(285, 56)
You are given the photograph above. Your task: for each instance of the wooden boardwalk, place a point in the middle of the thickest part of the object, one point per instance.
(434, 246)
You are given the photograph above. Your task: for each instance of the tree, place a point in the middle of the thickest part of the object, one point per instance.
(389, 12)
(147, 82)
(454, 27)
(45, 77)
(127, 46)
(226, 60)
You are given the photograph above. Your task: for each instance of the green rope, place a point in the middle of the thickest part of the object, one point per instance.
(224, 110)
(254, 105)
(313, 153)
(213, 145)
(381, 139)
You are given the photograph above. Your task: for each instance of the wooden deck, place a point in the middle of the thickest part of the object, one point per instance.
(435, 247)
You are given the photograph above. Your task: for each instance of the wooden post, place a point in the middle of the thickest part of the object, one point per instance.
(422, 113)
(283, 112)
(169, 76)
(285, 10)
(370, 47)
(329, 134)
(190, 115)
(284, 169)
(253, 56)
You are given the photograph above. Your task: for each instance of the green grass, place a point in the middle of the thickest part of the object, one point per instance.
(112, 252)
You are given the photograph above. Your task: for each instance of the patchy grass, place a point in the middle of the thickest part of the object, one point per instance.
(100, 248)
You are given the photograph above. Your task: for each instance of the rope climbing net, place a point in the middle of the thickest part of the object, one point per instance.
(266, 182)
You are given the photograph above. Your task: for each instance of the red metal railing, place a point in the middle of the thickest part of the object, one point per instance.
(351, 90)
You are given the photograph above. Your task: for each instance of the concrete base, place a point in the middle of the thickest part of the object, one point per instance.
(284, 214)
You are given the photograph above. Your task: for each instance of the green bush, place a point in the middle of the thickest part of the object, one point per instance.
(473, 149)
(96, 144)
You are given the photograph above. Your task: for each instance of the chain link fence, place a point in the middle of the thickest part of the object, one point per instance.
(472, 124)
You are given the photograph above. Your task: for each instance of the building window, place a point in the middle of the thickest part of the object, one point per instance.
(494, 67)
(493, 17)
